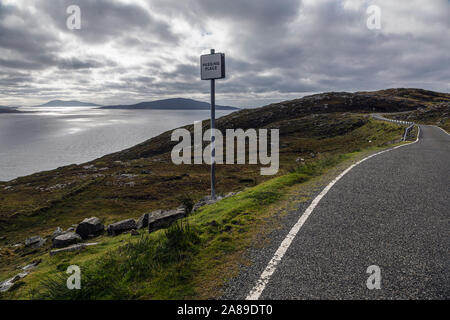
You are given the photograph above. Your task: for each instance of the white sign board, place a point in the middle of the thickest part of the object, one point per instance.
(212, 66)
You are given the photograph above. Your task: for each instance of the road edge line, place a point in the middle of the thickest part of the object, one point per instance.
(257, 290)
(441, 129)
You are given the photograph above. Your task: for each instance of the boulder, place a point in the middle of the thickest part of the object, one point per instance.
(143, 220)
(66, 239)
(121, 226)
(35, 242)
(90, 227)
(163, 219)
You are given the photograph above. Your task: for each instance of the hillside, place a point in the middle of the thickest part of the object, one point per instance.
(317, 133)
(171, 104)
(437, 114)
(391, 100)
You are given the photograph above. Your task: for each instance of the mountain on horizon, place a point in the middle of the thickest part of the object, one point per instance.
(6, 109)
(71, 103)
(171, 104)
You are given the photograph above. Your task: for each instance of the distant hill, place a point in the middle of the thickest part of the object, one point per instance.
(71, 103)
(4, 109)
(171, 104)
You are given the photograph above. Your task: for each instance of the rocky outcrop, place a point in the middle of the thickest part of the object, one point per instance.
(35, 242)
(90, 227)
(66, 239)
(117, 228)
(163, 219)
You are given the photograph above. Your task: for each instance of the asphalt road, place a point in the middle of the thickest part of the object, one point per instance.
(391, 211)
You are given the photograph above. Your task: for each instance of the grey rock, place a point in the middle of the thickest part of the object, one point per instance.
(163, 219)
(143, 220)
(35, 242)
(230, 194)
(205, 201)
(57, 232)
(74, 247)
(90, 227)
(31, 266)
(66, 239)
(10, 283)
(121, 226)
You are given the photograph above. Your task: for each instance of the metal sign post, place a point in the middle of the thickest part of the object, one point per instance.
(213, 67)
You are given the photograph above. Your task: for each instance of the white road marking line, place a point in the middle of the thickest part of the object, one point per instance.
(441, 129)
(257, 290)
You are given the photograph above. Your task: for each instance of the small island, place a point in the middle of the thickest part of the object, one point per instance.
(71, 103)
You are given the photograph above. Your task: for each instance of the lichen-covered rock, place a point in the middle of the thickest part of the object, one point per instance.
(90, 227)
(121, 226)
(66, 239)
(163, 219)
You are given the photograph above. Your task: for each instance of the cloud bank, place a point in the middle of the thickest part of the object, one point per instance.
(129, 51)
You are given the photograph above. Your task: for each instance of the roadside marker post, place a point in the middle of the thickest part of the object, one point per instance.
(212, 67)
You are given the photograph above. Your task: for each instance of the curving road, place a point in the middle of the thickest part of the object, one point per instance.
(392, 211)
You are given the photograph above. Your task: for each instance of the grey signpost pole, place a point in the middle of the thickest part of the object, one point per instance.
(212, 67)
(213, 137)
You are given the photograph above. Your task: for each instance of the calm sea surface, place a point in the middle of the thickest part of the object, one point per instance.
(58, 136)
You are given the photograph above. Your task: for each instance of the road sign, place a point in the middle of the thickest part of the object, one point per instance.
(212, 66)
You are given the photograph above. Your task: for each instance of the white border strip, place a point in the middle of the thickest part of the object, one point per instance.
(257, 290)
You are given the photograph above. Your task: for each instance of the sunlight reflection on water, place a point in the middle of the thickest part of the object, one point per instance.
(49, 137)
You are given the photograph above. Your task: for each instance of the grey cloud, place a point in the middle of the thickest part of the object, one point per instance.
(273, 48)
(104, 20)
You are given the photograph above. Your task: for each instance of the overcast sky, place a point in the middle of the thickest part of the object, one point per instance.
(129, 51)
